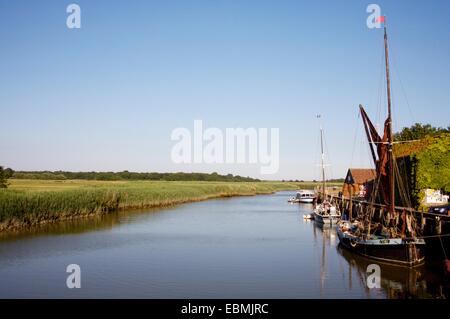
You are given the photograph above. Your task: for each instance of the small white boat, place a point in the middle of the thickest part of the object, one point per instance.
(327, 213)
(303, 196)
(293, 200)
(306, 196)
(308, 216)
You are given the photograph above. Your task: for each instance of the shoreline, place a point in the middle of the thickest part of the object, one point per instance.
(29, 209)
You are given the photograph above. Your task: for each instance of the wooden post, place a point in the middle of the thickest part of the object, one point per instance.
(438, 227)
(350, 211)
(423, 223)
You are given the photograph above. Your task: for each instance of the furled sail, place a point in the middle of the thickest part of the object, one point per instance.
(379, 148)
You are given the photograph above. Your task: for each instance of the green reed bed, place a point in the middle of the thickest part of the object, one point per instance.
(25, 205)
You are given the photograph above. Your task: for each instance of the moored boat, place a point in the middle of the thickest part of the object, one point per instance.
(306, 196)
(303, 196)
(393, 239)
(402, 251)
(325, 212)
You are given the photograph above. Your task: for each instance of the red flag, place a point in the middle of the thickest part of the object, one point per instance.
(381, 19)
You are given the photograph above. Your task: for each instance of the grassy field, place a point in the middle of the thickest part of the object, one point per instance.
(31, 202)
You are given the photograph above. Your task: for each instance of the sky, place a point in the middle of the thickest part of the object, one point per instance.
(107, 96)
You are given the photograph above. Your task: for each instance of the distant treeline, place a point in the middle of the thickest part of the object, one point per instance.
(336, 180)
(125, 175)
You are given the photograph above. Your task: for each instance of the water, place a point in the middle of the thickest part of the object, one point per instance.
(242, 247)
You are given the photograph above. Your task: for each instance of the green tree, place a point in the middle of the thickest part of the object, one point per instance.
(8, 172)
(418, 131)
(3, 183)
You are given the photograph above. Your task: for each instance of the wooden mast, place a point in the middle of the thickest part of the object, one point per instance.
(390, 133)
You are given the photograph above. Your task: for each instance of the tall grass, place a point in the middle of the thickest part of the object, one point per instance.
(21, 206)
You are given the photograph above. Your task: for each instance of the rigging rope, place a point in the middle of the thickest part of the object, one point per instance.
(443, 248)
(397, 73)
(433, 236)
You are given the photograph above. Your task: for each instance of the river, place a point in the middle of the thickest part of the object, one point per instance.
(241, 247)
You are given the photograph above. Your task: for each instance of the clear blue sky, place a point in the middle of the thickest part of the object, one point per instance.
(107, 96)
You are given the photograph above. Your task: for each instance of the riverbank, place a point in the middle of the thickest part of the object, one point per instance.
(28, 203)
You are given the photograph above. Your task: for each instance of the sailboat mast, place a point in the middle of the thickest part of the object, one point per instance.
(390, 135)
(322, 159)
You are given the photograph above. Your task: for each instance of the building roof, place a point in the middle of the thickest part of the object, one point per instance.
(360, 175)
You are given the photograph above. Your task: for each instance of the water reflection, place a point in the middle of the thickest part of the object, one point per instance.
(400, 282)
(79, 225)
(397, 282)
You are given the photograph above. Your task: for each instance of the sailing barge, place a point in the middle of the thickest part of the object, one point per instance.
(393, 239)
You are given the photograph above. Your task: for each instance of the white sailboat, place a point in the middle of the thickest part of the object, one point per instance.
(325, 212)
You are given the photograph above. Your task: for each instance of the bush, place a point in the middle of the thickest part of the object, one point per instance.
(3, 183)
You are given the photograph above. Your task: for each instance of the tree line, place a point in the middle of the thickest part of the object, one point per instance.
(419, 131)
(126, 175)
